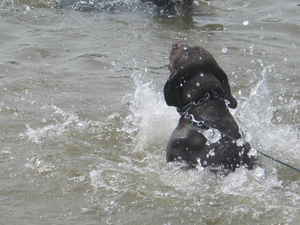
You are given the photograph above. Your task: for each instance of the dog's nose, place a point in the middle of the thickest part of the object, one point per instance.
(180, 44)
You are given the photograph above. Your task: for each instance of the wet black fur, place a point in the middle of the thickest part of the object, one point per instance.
(194, 73)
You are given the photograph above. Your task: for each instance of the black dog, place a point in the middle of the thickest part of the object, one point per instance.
(162, 6)
(206, 134)
(169, 4)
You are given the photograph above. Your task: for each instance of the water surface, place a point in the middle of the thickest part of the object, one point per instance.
(85, 126)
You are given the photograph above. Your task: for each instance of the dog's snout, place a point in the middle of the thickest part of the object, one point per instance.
(180, 44)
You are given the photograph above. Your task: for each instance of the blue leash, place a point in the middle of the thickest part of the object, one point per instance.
(276, 160)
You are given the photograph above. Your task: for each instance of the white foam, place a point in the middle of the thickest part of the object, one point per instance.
(255, 119)
(149, 114)
(61, 122)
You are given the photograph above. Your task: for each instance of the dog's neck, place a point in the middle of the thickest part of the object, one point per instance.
(205, 98)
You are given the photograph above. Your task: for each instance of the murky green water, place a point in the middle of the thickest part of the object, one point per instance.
(84, 125)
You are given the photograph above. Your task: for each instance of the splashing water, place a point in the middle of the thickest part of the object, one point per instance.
(135, 177)
(62, 126)
(151, 121)
(64, 122)
(212, 135)
(256, 115)
(149, 116)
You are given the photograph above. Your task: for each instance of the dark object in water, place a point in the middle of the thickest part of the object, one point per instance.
(175, 6)
(207, 133)
(160, 6)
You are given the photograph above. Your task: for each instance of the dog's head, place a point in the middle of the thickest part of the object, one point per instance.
(190, 62)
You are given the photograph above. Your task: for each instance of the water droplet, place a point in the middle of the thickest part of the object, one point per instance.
(246, 22)
(212, 152)
(224, 49)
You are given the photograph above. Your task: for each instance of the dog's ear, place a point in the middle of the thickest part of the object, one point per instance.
(172, 91)
(212, 66)
(222, 77)
(232, 102)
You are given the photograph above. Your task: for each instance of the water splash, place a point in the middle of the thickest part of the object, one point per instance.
(57, 124)
(149, 119)
(212, 135)
(250, 194)
(256, 115)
